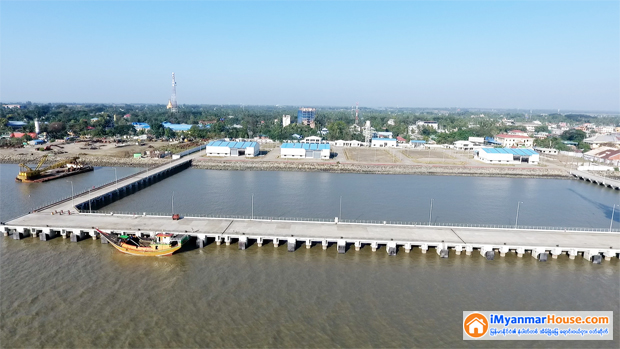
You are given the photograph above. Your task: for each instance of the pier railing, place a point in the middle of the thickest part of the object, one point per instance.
(356, 221)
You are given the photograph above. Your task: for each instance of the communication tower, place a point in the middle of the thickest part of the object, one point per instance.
(356, 112)
(172, 103)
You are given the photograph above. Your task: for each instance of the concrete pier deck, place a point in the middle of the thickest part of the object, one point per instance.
(458, 239)
(600, 180)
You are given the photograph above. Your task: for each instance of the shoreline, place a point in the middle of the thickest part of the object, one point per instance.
(331, 166)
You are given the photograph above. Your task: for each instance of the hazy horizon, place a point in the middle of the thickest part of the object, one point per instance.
(502, 55)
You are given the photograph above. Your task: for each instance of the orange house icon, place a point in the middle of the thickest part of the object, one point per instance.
(476, 326)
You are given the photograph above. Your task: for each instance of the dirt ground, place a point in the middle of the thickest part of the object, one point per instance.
(76, 149)
(371, 155)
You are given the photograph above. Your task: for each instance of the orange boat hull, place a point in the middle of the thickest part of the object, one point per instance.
(134, 251)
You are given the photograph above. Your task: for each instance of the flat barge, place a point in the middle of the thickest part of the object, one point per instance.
(50, 175)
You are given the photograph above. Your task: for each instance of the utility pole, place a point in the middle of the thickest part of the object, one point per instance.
(517, 219)
(430, 215)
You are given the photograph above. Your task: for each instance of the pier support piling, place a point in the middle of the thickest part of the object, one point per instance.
(259, 241)
(374, 246)
(424, 248)
(218, 240)
(308, 243)
(324, 244)
(407, 248)
(291, 245)
(458, 249)
(243, 241)
(391, 248)
(572, 254)
(469, 249)
(342, 246)
(520, 252)
(276, 242)
(227, 240)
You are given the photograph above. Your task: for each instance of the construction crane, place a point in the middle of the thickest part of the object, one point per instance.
(27, 173)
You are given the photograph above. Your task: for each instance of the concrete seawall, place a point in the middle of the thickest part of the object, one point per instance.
(322, 166)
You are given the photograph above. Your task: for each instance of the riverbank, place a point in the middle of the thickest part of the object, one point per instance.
(444, 170)
(304, 166)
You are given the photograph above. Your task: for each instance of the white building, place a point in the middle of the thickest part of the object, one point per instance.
(286, 120)
(463, 145)
(509, 141)
(549, 151)
(224, 148)
(507, 155)
(312, 140)
(476, 140)
(305, 151)
(432, 124)
(383, 143)
(354, 143)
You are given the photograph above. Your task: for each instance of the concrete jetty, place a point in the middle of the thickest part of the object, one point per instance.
(488, 242)
(73, 218)
(596, 179)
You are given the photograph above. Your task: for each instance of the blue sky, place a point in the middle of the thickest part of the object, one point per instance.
(527, 54)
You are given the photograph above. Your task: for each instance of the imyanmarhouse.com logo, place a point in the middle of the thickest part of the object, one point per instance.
(476, 325)
(539, 325)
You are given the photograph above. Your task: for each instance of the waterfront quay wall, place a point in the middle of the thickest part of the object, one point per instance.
(322, 166)
(446, 170)
(593, 245)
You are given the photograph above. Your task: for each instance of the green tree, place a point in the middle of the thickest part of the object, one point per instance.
(573, 135)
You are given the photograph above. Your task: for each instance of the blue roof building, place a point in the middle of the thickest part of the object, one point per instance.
(507, 155)
(177, 127)
(141, 125)
(226, 148)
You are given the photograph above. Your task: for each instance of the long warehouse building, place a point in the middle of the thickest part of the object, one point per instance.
(507, 155)
(305, 150)
(224, 148)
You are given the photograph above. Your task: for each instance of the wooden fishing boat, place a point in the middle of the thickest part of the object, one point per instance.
(163, 244)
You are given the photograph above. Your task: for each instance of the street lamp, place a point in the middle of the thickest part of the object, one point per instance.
(115, 177)
(430, 215)
(517, 219)
(72, 195)
(612, 216)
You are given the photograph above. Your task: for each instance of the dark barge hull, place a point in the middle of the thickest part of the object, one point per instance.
(46, 178)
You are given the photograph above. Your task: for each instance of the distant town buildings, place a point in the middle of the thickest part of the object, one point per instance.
(383, 143)
(286, 120)
(306, 116)
(514, 140)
